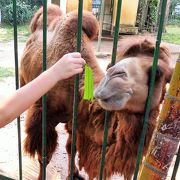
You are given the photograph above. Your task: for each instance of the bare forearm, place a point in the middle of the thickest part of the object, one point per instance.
(25, 96)
(69, 65)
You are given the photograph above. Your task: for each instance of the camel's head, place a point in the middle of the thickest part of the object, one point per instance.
(126, 84)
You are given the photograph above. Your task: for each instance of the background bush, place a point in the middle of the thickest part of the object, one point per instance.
(4, 3)
(24, 11)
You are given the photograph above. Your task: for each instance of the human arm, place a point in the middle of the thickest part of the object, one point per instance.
(67, 66)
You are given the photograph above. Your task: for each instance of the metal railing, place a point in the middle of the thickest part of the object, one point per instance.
(75, 104)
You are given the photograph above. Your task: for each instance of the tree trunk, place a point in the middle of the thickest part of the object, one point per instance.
(167, 12)
(158, 13)
(166, 136)
(144, 14)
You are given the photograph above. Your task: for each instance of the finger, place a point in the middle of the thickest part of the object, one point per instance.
(79, 70)
(76, 55)
(80, 61)
(77, 66)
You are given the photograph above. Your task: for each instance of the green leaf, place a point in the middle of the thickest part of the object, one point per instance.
(88, 83)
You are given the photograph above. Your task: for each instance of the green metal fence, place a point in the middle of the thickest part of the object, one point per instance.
(17, 86)
(75, 104)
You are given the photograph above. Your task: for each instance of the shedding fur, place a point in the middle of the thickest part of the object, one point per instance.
(61, 39)
(124, 125)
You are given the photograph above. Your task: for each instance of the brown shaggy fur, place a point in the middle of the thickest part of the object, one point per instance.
(124, 126)
(60, 40)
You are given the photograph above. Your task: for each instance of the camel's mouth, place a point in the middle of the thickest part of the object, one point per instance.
(115, 102)
(115, 89)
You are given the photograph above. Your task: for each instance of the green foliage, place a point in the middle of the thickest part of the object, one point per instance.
(174, 18)
(24, 13)
(6, 32)
(174, 3)
(34, 3)
(4, 3)
(153, 10)
(174, 21)
(172, 34)
(152, 15)
(6, 72)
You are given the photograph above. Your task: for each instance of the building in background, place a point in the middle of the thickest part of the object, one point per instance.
(128, 13)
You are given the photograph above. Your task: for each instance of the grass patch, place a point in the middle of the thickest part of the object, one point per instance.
(7, 32)
(172, 35)
(6, 72)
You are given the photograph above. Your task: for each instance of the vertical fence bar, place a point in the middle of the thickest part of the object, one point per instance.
(44, 107)
(76, 89)
(116, 33)
(107, 114)
(17, 84)
(151, 89)
(176, 165)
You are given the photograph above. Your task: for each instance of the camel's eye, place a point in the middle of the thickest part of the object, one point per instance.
(120, 74)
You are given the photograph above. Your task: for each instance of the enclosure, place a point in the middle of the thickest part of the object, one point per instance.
(114, 48)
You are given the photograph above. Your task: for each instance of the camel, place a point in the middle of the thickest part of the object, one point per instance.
(123, 92)
(61, 39)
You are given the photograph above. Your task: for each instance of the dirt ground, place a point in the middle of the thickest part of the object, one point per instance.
(57, 169)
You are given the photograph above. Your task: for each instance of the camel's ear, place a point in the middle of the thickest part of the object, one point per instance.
(159, 73)
(34, 22)
(89, 23)
(168, 74)
(53, 12)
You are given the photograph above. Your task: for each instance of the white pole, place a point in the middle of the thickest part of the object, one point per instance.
(49, 1)
(63, 6)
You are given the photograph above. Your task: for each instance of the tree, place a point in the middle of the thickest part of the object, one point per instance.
(4, 3)
(147, 15)
(23, 12)
(174, 3)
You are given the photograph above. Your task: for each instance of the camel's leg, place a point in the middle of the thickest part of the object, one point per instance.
(76, 175)
(41, 167)
(33, 140)
(51, 146)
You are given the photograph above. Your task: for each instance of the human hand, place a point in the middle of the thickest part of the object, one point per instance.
(69, 65)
